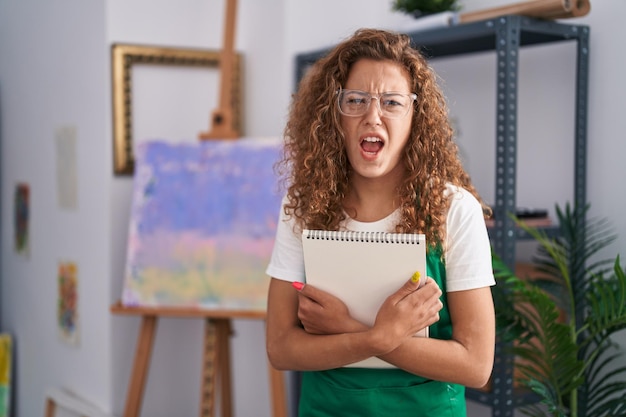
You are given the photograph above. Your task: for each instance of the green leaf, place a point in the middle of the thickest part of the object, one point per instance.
(424, 6)
(570, 361)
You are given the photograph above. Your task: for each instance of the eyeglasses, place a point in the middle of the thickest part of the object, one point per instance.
(392, 105)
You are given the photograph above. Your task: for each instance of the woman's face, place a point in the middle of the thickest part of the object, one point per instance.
(375, 142)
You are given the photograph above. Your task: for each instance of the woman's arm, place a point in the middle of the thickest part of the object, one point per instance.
(290, 347)
(468, 357)
(332, 338)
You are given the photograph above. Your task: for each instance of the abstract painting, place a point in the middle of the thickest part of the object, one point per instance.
(21, 217)
(67, 304)
(6, 354)
(203, 223)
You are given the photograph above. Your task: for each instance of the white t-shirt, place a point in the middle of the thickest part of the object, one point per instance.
(467, 249)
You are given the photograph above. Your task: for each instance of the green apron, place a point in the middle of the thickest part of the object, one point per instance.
(362, 392)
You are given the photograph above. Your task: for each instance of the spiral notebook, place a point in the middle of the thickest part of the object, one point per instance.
(363, 269)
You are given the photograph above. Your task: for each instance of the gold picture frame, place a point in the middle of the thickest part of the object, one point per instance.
(123, 57)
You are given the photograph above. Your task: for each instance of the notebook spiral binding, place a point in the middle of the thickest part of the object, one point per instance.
(351, 236)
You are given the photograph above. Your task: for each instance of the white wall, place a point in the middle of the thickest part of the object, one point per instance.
(54, 72)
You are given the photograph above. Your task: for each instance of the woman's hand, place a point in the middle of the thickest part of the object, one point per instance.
(407, 311)
(323, 313)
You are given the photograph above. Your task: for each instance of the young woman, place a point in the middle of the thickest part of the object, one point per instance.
(369, 148)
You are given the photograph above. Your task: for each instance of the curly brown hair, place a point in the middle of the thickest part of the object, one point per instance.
(315, 164)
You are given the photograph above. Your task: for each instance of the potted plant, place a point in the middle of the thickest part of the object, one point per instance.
(423, 7)
(561, 324)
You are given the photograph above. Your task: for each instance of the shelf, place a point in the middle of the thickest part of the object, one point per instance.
(520, 396)
(482, 36)
(470, 38)
(521, 234)
(505, 36)
(543, 225)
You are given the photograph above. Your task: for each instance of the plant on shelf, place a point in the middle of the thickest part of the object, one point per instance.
(422, 7)
(561, 325)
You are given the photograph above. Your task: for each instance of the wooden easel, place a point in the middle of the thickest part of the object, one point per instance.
(222, 118)
(216, 358)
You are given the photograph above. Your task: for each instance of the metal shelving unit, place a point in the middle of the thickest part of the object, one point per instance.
(505, 36)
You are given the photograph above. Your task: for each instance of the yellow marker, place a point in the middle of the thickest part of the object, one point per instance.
(415, 277)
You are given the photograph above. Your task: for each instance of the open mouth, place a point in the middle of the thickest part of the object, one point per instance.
(372, 145)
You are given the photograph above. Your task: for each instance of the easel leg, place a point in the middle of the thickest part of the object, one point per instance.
(223, 332)
(140, 367)
(51, 407)
(216, 367)
(277, 391)
(207, 393)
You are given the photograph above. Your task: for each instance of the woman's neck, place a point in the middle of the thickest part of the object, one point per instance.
(370, 200)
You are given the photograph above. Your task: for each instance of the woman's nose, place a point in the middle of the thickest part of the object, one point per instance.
(374, 113)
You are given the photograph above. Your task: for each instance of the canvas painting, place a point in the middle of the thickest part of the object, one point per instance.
(203, 223)
(6, 354)
(21, 217)
(67, 304)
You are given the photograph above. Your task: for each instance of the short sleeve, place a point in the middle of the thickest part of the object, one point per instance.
(287, 261)
(468, 249)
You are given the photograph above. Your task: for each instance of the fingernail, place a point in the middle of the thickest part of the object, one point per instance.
(298, 285)
(416, 277)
